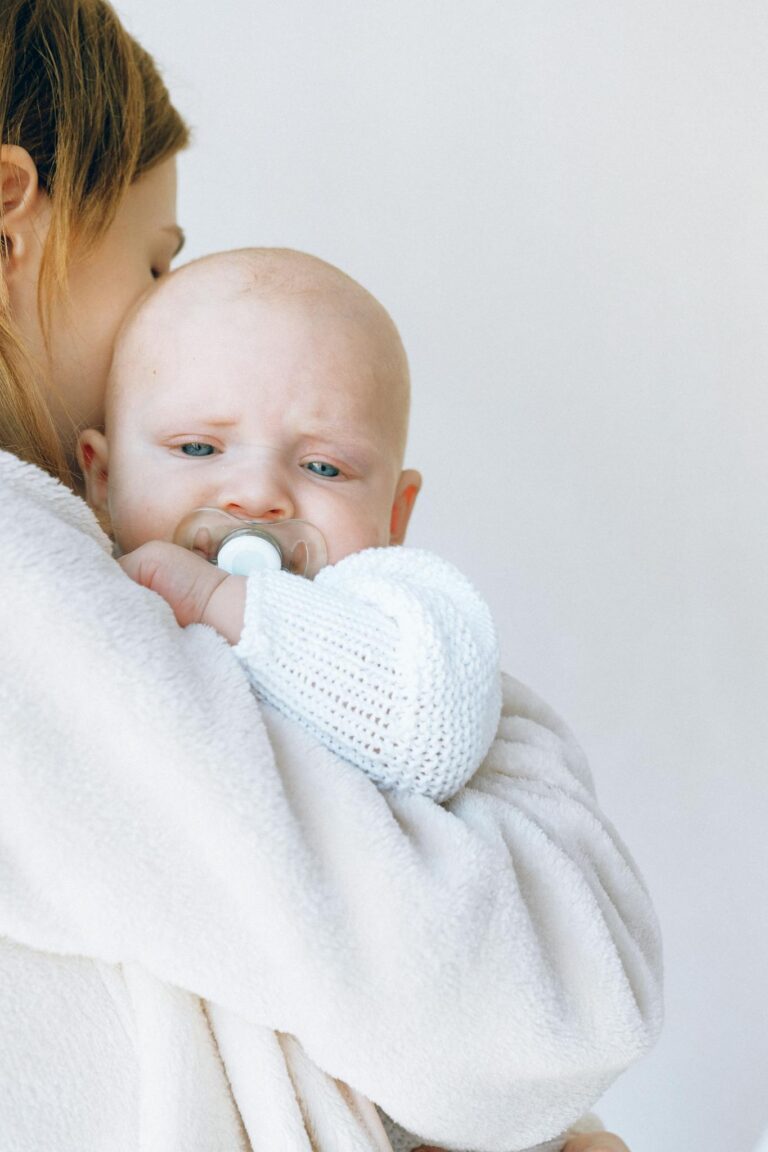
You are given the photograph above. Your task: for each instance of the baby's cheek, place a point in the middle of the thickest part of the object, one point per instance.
(125, 539)
(348, 537)
(133, 526)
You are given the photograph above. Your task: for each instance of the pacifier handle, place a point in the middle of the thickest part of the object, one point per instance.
(244, 551)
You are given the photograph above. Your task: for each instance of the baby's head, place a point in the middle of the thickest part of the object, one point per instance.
(264, 383)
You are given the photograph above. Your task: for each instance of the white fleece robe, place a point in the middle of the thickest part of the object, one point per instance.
(482, 970)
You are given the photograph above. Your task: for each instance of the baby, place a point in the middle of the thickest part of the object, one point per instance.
(269, 385)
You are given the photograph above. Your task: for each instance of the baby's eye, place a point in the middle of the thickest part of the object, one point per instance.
(197, 448)
(321, 468)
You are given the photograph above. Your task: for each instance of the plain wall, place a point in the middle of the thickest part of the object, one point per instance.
(565, 207)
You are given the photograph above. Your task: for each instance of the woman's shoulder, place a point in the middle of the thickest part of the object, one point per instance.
(33, 501)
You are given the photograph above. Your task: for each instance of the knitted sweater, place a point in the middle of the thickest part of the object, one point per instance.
(389, 657)
(481, 969)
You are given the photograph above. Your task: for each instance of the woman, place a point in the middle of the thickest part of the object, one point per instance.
(137, 876)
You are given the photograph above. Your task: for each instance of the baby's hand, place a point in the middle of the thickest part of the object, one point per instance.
(198, 592)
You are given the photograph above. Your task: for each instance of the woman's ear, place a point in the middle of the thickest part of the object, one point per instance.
(93, 457)
(20, 193)
(408, 487)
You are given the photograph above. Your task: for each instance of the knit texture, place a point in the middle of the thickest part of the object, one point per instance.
(390, 657)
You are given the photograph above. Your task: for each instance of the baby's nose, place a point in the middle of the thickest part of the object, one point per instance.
(248, 508)
(258, 497)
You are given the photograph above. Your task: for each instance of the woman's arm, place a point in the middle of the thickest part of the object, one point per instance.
(467, 967)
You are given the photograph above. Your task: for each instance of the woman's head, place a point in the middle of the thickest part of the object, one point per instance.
(87, 217)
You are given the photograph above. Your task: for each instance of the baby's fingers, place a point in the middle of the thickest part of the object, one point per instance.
(185, 580)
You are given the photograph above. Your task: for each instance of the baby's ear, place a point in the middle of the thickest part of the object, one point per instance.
(93, 458)
(407, 490)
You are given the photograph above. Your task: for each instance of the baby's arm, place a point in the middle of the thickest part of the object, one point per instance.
(389, 657)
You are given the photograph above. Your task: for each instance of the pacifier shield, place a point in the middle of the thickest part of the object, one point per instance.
(240, 546)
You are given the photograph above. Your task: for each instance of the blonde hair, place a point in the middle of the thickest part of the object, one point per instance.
(88, 104)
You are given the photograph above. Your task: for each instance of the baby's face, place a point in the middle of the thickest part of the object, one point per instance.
(269, 409)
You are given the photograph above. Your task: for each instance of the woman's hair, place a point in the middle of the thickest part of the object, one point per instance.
(87, 103)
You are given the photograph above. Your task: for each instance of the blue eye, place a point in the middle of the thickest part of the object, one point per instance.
(320, 468)
(196, 448)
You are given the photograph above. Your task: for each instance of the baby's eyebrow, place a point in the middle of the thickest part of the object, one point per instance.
(327, 431)
(193, 414)
(335, 437)
(188, 423)
(220, 421)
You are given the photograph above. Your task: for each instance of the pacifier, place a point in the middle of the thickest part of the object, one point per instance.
(244, 546)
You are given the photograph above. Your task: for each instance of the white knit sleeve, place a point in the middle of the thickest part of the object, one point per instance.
(389, 657)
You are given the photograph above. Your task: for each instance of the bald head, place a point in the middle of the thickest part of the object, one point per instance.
(262, 382)
(197, 297)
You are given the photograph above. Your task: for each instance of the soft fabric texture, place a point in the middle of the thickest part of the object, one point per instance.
(389, 656)
(187, 881)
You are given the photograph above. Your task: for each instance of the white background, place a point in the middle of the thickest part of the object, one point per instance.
(565, 206)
